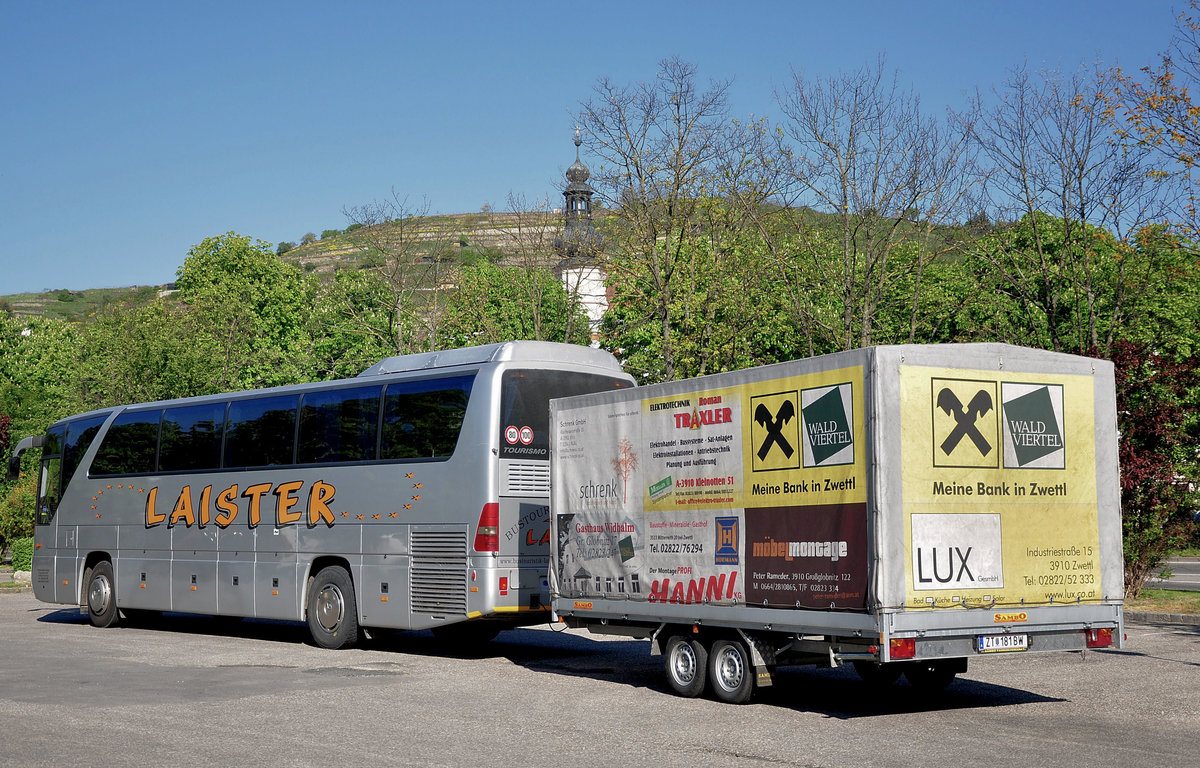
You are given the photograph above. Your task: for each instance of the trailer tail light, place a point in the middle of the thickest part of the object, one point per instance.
(903, 648)
(1098, 638)
(487, 533)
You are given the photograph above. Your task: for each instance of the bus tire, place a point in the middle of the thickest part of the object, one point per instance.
(686, 663)
(730, 672)
(101, 594)
(332, 610)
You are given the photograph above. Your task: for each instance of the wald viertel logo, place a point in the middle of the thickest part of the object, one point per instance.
(1033, 425)
(828, 414)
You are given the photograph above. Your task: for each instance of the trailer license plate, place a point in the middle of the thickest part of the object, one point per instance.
(1002, 643)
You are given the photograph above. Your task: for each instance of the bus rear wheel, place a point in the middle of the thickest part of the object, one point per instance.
(101, 594)
(332, 609)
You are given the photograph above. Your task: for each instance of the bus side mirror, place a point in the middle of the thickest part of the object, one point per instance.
(14, 464)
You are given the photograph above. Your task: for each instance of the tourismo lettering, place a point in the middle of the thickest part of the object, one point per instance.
(192, 510)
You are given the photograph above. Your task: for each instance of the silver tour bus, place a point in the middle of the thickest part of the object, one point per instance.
(414, 496)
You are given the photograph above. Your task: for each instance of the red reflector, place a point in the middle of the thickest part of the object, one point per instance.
(904, 648)
(487, 534)
(504, 585)
(1098, 638)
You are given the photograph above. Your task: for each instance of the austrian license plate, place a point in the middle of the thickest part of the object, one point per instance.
(1002, 643)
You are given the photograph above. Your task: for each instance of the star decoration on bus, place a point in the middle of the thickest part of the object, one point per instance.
(100, 493)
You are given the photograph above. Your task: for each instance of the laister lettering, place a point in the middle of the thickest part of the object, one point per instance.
(189, 511)
(319, 498)
(255, 494)
(286, 499)
(153, 518)
(183, 511)
(228, 506)
(203, 509)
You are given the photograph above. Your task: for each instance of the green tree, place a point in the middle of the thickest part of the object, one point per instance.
(660, 143)
(1158, 424)
(1157, 109)
(38, 366)
(137, 353)
(501, 303)
(858, 147)
(355, 324)
(255, 308)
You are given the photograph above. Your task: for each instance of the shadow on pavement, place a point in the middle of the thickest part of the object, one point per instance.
(835, 693)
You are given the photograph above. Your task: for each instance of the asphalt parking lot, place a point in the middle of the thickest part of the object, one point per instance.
(193, 690)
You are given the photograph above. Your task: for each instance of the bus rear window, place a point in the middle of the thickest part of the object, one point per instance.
(422, 419)
(525, 407)
(130, 446)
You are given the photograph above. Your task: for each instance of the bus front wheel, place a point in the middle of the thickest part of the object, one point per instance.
(332, 610)
(101, 594)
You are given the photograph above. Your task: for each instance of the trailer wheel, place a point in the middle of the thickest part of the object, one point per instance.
(877, 675)
(929, 676)
(332, 610)
(686, 664)
(101, 594)
(730, 672)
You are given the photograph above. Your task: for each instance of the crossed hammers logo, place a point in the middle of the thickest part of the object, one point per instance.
(774, 427)
(965, 419)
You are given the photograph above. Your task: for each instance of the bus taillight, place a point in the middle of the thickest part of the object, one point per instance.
(487, 534)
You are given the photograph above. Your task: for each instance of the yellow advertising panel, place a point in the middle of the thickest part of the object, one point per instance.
(794, 440)
(999, 488)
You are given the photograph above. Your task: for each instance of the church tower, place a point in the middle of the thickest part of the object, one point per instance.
(579, 238)
(581, 268)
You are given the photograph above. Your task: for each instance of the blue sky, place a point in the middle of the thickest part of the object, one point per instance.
(130, 131)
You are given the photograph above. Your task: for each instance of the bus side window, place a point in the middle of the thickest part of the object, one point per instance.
(50, 478)
(339, 425)
(130, 445)
(261, 431)
(191, 438)
(422, 419)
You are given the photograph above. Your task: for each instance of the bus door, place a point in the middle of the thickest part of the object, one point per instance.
(46, 566)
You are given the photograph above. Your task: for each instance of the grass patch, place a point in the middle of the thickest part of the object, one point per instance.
(1165, 601)
(1187, 552)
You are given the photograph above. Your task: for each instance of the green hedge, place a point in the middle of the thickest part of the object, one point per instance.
(22, 554)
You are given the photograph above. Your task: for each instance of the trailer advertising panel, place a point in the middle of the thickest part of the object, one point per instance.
(999, 488)
(753, 493)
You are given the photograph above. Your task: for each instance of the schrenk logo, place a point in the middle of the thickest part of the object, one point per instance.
(964, 423)
(828, 420)
(1033, 426)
